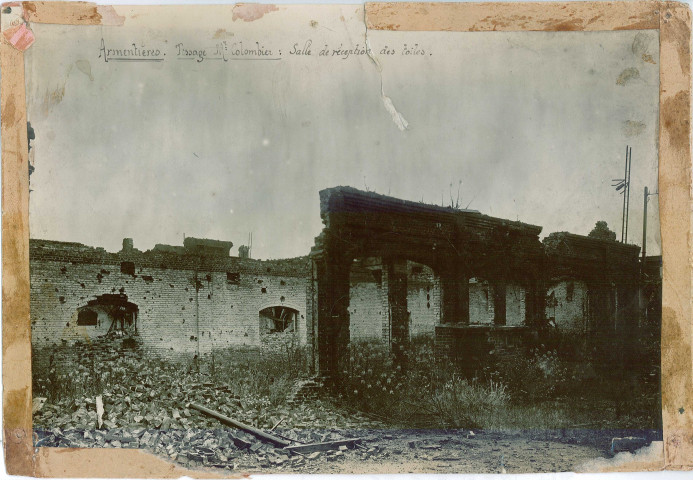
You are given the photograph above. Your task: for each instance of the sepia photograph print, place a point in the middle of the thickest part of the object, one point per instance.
(288, 239)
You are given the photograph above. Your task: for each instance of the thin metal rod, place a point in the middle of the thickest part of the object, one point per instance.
(630, 157)
(623, 214)
(644, 227)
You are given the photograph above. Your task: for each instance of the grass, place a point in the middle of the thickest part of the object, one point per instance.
(536, 389)
(461, 404)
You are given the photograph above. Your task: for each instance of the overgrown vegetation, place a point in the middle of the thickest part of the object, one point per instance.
(547, 386)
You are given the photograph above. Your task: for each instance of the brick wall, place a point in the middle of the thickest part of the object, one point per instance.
(368, 303)
(481, 309)
(567, 305)
(366, 311)
(480, 302)
(368, 308)
(472, 347)
(173, 317)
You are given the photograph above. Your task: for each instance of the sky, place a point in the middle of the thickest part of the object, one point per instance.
(529, 126)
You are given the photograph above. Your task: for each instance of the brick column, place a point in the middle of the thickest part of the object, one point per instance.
(535, 303)
(332, 322)
(463, 296)
(397, 302)
(454, 284)
(499, 302)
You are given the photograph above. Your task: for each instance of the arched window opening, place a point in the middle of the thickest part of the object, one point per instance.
(109, 313)
(278, 319)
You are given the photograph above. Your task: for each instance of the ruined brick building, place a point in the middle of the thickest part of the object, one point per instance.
(383, 269)
(190, 299)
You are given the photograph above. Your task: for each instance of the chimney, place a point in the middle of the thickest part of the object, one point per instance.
(128, 245)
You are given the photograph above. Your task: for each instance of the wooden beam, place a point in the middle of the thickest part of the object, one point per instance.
(235, 423)
(321, 447)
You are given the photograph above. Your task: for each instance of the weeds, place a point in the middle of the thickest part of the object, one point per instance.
(461, 404)
(540, 388)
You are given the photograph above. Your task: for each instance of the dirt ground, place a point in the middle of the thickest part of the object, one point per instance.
(450, 452)
(397, 451)
(230, 451)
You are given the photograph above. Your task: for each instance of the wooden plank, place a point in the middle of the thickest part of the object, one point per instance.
(321, 447)
(235, 423)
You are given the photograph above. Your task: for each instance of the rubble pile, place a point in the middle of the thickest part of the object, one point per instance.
(144, 403)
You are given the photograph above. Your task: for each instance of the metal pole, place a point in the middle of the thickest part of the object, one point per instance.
(644, 228)
(623, 215)
(627, 194)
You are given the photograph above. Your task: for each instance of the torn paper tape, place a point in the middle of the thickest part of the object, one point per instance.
(20, 37)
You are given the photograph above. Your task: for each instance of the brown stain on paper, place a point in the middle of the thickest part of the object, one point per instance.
(676, 122)
(222, 33)
(71, 13)
(675, 215)
(8, 112)
(52, 98)
(675, 345)
(531, 16)
(628, 75)
(249, 12)
(16, 337)
(678, 32)
(571, 25)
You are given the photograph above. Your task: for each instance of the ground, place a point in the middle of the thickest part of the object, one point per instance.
(381, 451)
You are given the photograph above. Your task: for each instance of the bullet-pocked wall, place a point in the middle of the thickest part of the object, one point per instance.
(186, 303)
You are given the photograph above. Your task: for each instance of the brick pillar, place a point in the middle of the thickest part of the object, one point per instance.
(311, 318)
(386, 330)
(463, 296)
(332, 323)
(448, 298)
(454, 285)
(397, 302)
(535, 303)
(499, 300)
(530, 318)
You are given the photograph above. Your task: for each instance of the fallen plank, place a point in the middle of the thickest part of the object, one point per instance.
(319, 447)
(291, 440)
(235, 423)
(99, 411)
(277, 424)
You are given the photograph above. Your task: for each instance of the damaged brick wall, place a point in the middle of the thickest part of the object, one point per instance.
(187, 303)
(368, 303)
(567, 305)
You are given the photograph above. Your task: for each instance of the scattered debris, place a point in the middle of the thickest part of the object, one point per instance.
(99, 411)
(235, 423)
(322, 446)
(37, 404)
(339, 445)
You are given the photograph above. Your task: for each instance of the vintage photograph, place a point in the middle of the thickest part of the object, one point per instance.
(266, 239)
